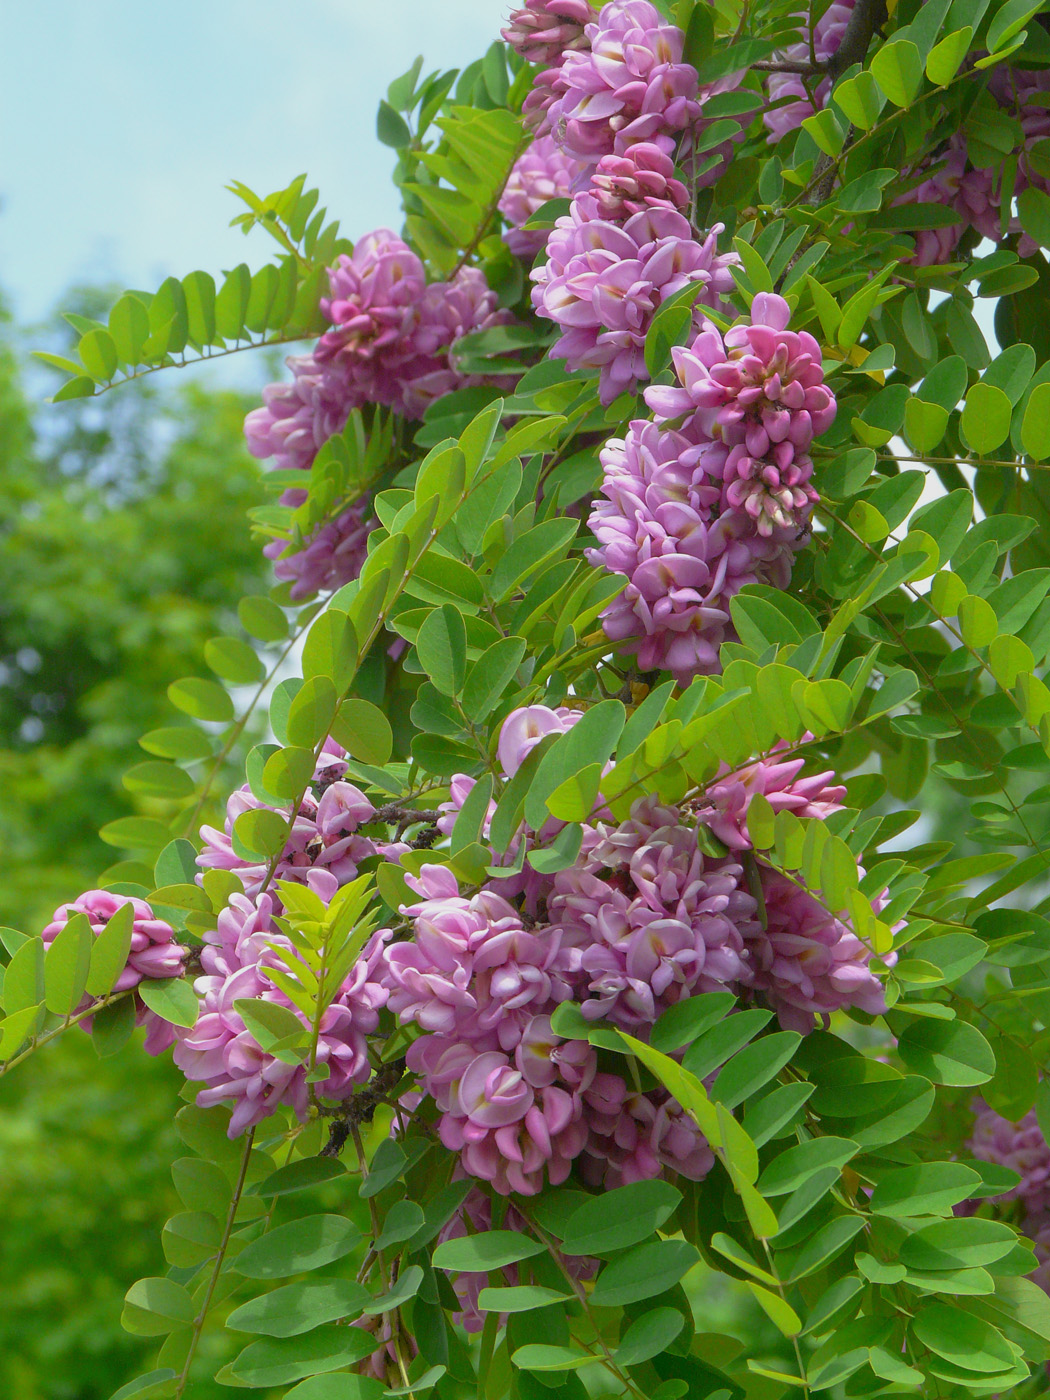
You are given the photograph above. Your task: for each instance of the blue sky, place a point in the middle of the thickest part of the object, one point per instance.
(122, 120)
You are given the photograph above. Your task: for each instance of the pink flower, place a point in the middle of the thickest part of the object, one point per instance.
(153, 954)
(806, 962)
(1019, 1146)
(641, 178)
(542, 173)
(630, 85)
(332, 556)
(726, 800)
(657, 525)
(650, 919)
(223, 1054)
(636, 1137)
(323, 837)
(603, 282)
(543, 31)
(827, 36)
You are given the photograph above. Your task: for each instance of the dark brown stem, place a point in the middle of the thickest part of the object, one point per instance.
(867, 18)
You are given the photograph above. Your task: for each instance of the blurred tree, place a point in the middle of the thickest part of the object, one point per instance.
(123, 546)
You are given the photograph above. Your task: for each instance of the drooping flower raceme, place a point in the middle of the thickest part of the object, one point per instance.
(541, 173)
(658, 524)
(389, 345)
(650, 918)
(153, 954)
(726, 800)
(759, 393)
(603, 282)
(642, 178)
(630, 84)
(544, 31)
(1020, 1146)
(806, 962)
(324, 836)
(222, 1053)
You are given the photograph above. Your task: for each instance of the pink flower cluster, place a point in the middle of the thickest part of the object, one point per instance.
(1022, 1147)
(222, 1052)
(544, 31)
(693, 514)
(324, 838)
(154, 954)
(603, 282)
(642, 920)
(627, 82)
(541, 173)
(389, 344)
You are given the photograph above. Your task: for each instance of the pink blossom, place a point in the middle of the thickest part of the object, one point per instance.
(541, 173)
(603, 282)
(543, 31)
(332, 556)
(629, 85)
(806, 962)
(827, 36)
(153, 954)
(223, 1054)
(641, 178)
(650, 919)
(726, 800)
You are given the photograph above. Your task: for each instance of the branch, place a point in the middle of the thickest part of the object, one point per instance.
(867, 18)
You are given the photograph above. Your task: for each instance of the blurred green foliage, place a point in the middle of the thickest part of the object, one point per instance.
(123, 547)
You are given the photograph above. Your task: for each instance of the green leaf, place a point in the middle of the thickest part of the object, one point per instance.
(298, 1247)
(489, 676)
(311, 712)
(961, 1338)
(931, 1188)
(537, 1356)
(66, 966)
(158, 780)
(199, 290)
(298, 1307)
(861, 99)
(948, 1052)
(945, 58)
(1035, 426)
(442, 647)
(591, 740)
(129, 327)
(364, 731)
(200, 698)
(234, 660)
(684, 1022)
(782, 1315)
(154, 1306)
(391, 128)
(620, 1218)
(268, 1021)
(338, 1387)
(171, 999)
(723, 1040)
(109, 952)
(182, 741)
(99, 354)
(897, 68)
(16, 1028)
(521, 1299)
(962, 1243)
(753, 1067)
(152, 1386)
(643, 1272)
(279, 1361)
(494, 1249)
(298, 1176)
(260, 832)
(648, 1336)
(986, 417)
(262, 619)
(798, 1164)
(330, 649)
